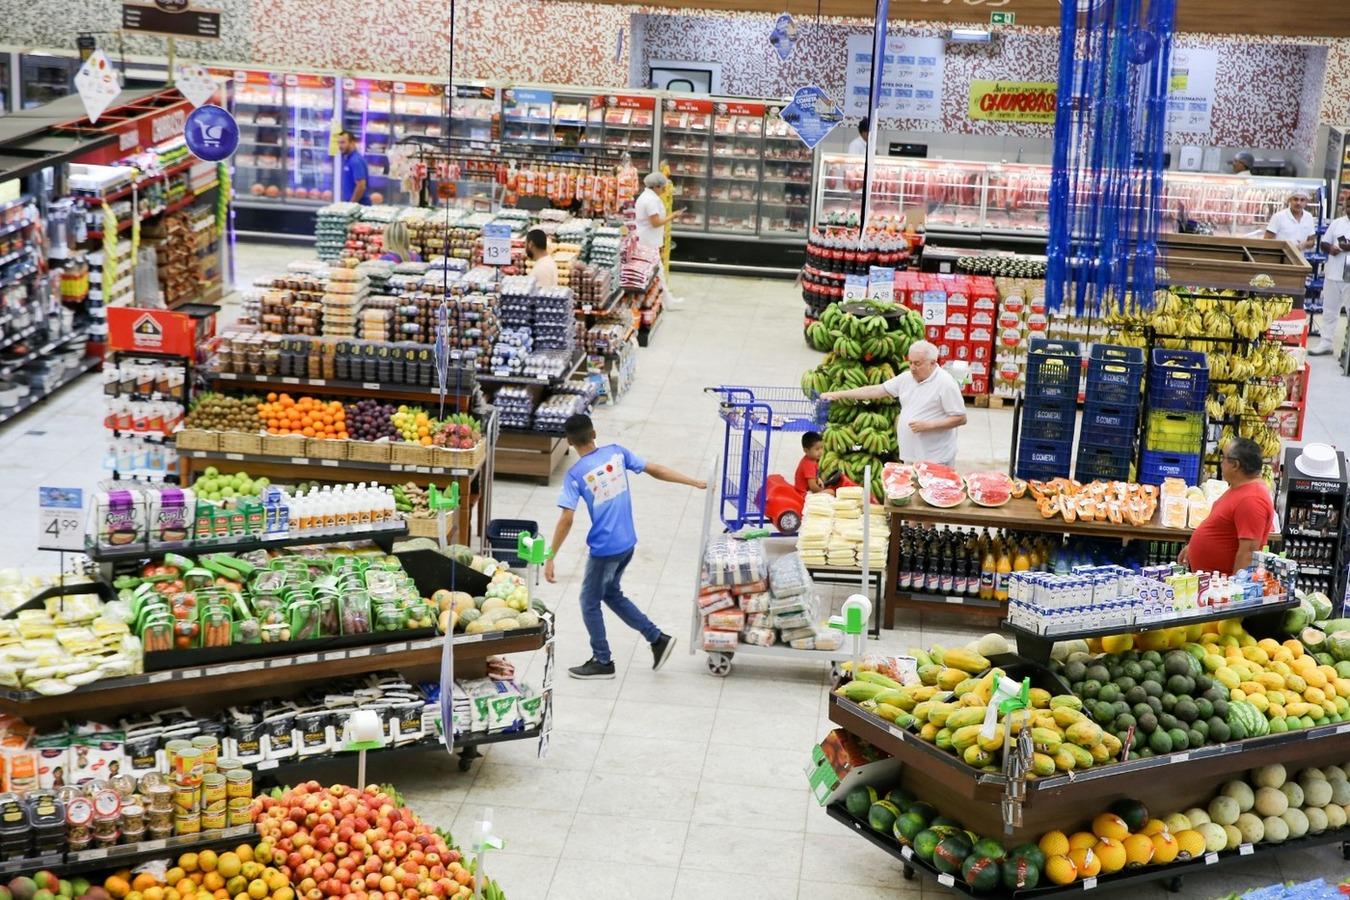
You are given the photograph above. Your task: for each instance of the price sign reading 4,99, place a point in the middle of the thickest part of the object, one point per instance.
(496, 244)
(61, 518)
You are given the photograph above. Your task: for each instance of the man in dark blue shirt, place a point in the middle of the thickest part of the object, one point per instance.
(355, 175)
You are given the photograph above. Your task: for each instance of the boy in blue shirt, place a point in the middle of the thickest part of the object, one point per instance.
(600, 477)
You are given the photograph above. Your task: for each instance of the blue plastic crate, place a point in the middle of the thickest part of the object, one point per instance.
(1041, 430)
(1114, 353)
(1114, 382)
(1104, 415)
(1036, 473)
(1175, 432)
(1155, 466)
(1102, 462)
(1178, 380)
(1103, 436)
(1054, 369)
(1044, 456)
(1057, 411)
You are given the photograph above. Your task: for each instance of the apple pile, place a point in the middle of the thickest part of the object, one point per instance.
(345, 842)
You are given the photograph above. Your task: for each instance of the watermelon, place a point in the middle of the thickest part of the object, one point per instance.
(981, 872)
(907, 827)
(925, 810)
(1338, 645)
(951, 853)
(925, 842)
(1252, 721)
(882, 816)
(1031, 853)
(859, 801)
(903, 800)
(1020, 872)
(1133, 813)
(989, 847)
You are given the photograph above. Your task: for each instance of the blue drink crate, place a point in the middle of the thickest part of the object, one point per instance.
(1051, 457)
(1097, 462)
(1155, 466)
(1047, 429)
(1178, 380)
(1113, 382)
(1175, 432)
(1054, 370)
(1109, 415)
(1049, 412)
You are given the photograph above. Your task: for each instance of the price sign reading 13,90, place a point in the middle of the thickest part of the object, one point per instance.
(61, 518)
(497, 245)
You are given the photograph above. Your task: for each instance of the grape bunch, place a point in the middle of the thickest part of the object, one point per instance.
(370, 420)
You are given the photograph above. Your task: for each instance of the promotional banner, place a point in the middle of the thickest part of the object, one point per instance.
(911, 77)
(97, 85)
(1012, 101)
(812, 114)
(1190, 98)
(784, 36)
(211, 133)
(194, 82)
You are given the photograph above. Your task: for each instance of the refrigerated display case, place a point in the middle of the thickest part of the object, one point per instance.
(309, 136)
(44, 77)
(527, 117)
(785, 199)
(6, 62)
(737, 157)
(367, 110)
(1010, 201)
(629, 122)
(285, 138)
(477, 113)
(686, 147)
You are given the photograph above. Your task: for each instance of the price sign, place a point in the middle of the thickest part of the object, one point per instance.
(881, 284)
(496, 244)
(61, 518)
(855, 287)
(934, 308)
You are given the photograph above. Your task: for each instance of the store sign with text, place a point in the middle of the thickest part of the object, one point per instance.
(172, 18)
(1013, 101)
(689, 105)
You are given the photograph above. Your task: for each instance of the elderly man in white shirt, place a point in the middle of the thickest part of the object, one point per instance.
(931, 406)
(1294, 224)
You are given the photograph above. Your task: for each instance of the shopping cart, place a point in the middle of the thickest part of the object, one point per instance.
(751, 416)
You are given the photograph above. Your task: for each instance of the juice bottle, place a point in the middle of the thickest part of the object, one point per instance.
(1022, 561)
(1002, 571)
(988, 565)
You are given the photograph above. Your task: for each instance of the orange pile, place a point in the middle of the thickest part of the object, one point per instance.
(313, 418)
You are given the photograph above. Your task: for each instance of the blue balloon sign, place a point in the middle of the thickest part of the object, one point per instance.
(812, 114)
(211, 133)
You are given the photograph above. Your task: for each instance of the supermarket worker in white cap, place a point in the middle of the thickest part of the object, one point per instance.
(1294, 223)
(651, 220)
(931, 406)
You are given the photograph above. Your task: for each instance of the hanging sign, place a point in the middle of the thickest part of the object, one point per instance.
(194, 83)
(211, 133)
(97, 84)
(61, 518)
(784, 36)
(812, 115)
(1012, 101)
(173, 18)
(1191, 89)
(910, 76)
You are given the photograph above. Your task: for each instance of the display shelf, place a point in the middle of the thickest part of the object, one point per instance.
(246, 545)
(527, 381)
(303, 461)
(360, 389)
(1036, 646)
(1172, 872)
(280, 770)
(86, 364)
(173, 685)
(128, 855)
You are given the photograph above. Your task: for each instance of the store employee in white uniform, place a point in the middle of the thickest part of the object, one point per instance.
(931, 407)
(858, 146)
(1294, 224)
(651, 220)
(1335, 290)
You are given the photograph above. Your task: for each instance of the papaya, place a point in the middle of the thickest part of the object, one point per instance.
(937, 653)
(943, 739)
(1100, 754)
(1042, 764)
(1065, 716)
(977, 756)
(923, 692)
(965, 660)
(1112, 744)
(858, 691)
(1084, 734)
(878, 678)
(994, 742)
(899, 698)
(949, 678)
(968, 715)
(1064, 760)
(1046, 740)
(1082, 758)
(966, 736)
(921, 658)
(929, 674)
(892, 713)
(922, 709)
(1040, 698)
(972, 699)
(938, 713)
(967, 687)
(928, 732)
(1065, 701)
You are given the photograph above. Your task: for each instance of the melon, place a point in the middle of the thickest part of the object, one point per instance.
(1338, 645)
(1333, 773)
(992, 644)
(1321, 605)
(1317, 820)
(1277, 830)
(925, 842)
(1269, 776)
(1234, 837)
(1138, 850)
(1216, 838)
(1253, 829)
(1270, 802)
(1340, 793)
(951, 853)
(1197, 817)
(1111, 854)
(1177, 823)
(1020, 873)
(1224, 810)
(1317, 793)
(1336, 817)
(1132, 812)
(1241, 793)
(1191, 845)
(981, 872)
(1297, 822)
(1294, 794)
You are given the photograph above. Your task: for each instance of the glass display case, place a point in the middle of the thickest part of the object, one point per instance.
(310, 137)
(258, 101)
(367, 114)
(686, 145)
(737, 157)
(1337, 170)
(44, 77)
(785, 199)
(6, 101)
(629, 125)
(1013, 200)
(476, 113)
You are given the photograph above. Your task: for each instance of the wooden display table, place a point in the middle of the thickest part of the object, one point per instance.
(1019, 514)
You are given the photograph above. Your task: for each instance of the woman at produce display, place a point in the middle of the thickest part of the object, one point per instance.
(396, 245)
(545, 270)
(931, 407)
(600, 478)
(1240, 520)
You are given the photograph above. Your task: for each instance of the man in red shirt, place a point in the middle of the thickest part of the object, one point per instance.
(807, 478)
(1240, 521)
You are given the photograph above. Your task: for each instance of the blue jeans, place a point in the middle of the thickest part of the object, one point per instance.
(601, 585)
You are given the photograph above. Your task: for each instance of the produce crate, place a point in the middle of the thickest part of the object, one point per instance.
(404, 454)
(197, 439)
(1105, 463)
(1053, 457)
(470, 459)
(1155, 466)
(368, 451)
(1049, 412)
(502, 535)
(1178, 380)
(423, 527)
(240, 442)
(1175, 432)
(1114, 374)
(1054, 369)
(1043, 430)
(1105, 415)
(325, 448)
(283, 445)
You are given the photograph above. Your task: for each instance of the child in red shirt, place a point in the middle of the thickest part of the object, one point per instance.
(807, 479)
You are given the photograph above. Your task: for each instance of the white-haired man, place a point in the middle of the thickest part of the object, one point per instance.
(931, 407)
(651, 220)
(1294, 224)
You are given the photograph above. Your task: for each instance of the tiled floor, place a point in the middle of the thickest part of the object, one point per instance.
(656, 785)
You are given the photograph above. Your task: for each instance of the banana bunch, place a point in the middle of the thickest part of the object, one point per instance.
(1213, 407)
(840, 440)
(1240, 368)
(1216, 322)
(1264, 399)
(1192, 324)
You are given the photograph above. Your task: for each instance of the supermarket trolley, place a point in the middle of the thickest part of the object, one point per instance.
(751, 416)
(853, 621)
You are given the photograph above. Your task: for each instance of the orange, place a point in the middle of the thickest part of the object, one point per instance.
(1086, 862)
(213, 881)
(144, 880)
(1060, 870)
(206, 860)
(1111, 854)
(1138, 850)
(1108, 825)
(257, 889)
(1054, 843)
(117, 887)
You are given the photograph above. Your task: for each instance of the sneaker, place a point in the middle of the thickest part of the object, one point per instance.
(593, 670)
(661, 648)
(1322, 349)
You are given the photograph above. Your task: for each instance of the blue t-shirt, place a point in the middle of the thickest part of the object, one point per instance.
(354, 169)
(601, 479)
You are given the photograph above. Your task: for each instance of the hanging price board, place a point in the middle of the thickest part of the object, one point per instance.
(881, 284)
(855, 287)
(61, 518)
(496, 244)
(935, 308)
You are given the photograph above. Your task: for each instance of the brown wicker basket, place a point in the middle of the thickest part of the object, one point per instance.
(368, 451)
(326, 448)
(410, 454)
(427, 528)
(197, 439)
(283, 445)
(469, 459)
(240, 442)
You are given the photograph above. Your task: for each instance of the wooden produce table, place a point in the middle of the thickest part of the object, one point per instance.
(299, 468)
(458, 401)
(1019, 514)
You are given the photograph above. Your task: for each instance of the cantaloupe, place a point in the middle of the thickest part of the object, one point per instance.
(1340, 792)
(1312, 772)
(1317, 794)
(1224, 810)
(1294, 794)
(1297, 822)
(1191, 844)
(1177, 823)
(1270, 802)
(1317, 820)
(1216, 838)
(1242, 793)
(1277, 830)
(1253, 828)
(1234, 837)
(1336, 817)
(1196, 817)
(1271, 776)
